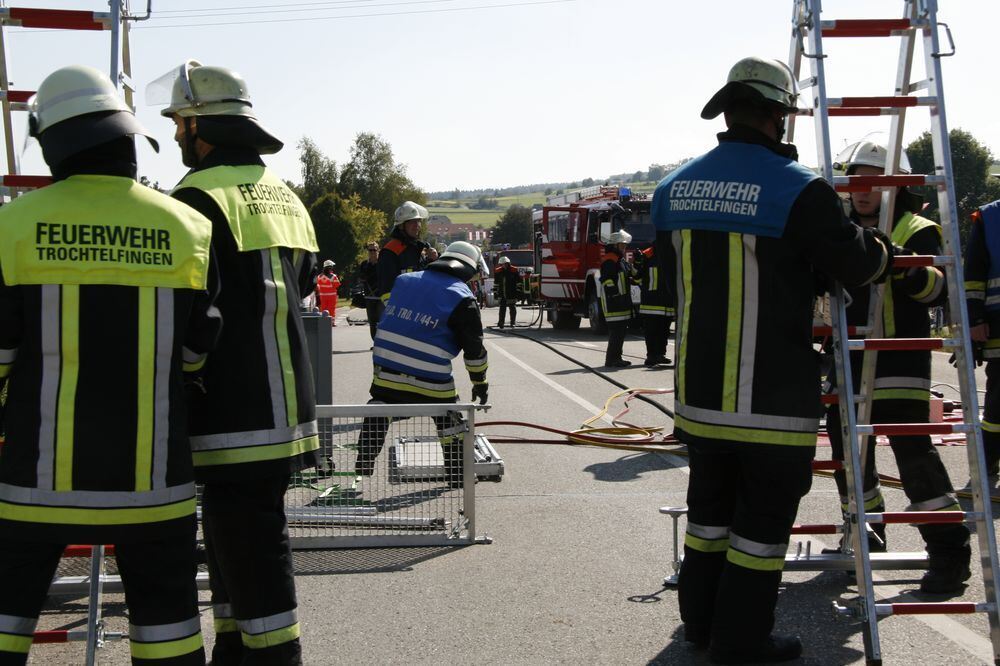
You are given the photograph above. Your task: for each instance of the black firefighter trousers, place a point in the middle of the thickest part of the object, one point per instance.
(505, 305)
(160, 591)
(991, 417)
(654, 328)
(742, 500)
(250, 572)
(616, 341)
(450, 430)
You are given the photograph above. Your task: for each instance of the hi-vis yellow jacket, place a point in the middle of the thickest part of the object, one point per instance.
(105, 298)
(257, 416)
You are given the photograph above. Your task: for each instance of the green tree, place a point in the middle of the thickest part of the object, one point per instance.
(319, 173)
(343, 227)
(587, 182)
(970, 161)
(374, 175)
(514, 226)
(638, 177)
(657, 172)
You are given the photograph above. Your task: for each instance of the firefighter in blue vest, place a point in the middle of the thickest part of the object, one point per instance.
(431, 317)
(982, 294)
(254, 425)
(106, 312)
(656, 314)
(616, 296)
(742, 229)
(901, 393)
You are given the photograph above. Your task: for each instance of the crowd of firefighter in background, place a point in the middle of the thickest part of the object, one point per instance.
(130, 373)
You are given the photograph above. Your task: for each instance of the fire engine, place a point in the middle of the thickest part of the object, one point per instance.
(570, 232)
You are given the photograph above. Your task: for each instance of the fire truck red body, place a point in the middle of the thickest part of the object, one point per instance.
(570, 233)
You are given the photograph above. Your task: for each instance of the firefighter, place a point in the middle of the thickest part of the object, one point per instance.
(368, 274)
(255, 423)
(327, 284)
(506, 286)
(616, 296)
(653, 308)
(982, 267)
(742, 228)
(903, 378)
(404, 251)
(106, 309)
(431, 316)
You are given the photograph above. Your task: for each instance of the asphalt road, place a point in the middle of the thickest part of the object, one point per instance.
(574, 573)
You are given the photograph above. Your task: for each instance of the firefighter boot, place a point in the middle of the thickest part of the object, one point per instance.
(947, 572)
(775, 648)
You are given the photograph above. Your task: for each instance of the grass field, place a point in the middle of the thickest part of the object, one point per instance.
(482, 218)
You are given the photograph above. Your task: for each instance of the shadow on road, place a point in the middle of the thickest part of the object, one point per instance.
(628, 467)
(364, 560)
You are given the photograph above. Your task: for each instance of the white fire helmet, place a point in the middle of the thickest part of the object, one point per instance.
(503, 261)
(410, 211)
(867, 153)
(620, 236)
(465, 252)
(329, 263)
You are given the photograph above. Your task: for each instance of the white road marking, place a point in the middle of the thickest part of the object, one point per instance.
(590, 407)
(676, 461)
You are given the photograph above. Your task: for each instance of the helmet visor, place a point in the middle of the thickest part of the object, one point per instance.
(172, 88)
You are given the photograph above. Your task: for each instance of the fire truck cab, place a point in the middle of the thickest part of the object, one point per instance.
(570, 233)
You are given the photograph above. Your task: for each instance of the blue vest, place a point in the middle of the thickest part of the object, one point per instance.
(737, 187)
(413, 336)
(991, 227)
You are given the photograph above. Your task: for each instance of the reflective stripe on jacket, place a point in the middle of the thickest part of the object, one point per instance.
(259, 409)
(96, 436)
(616, 294)
(413, 337)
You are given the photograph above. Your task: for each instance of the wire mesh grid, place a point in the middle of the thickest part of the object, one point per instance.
(388, 475)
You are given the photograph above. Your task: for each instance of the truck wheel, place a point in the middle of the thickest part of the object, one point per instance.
(597, 324)
(565, 320)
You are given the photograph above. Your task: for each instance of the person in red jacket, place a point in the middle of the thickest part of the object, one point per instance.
(327, 284)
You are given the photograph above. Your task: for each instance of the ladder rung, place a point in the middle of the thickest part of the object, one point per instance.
(900, 344)
(868, 27)
(55, 19)
(817, 529)
(822, 331)
(939, 608)
(17, 95)
(834, 399)
(889, 102)
(890, 429)
(830, 465)
(59, 636)
(922, 517)
(913, 260)
(872, 183)
(25, 182)
(863, 111)
(85, 551)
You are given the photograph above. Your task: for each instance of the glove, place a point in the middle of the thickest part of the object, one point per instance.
(889, 248)
(977, 356)
(480, 392)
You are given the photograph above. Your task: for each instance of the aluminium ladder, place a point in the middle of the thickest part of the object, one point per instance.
(116, 21)
(919, 19)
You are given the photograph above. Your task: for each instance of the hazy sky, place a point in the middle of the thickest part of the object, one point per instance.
(491, 93)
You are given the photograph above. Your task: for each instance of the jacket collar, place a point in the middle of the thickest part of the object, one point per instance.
(745, 134)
